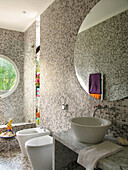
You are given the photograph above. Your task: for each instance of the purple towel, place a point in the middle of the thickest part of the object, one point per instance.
(95, 83)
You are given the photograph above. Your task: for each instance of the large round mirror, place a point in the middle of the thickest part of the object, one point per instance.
(101, 55)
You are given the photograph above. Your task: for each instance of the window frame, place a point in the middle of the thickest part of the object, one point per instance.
(17, 77)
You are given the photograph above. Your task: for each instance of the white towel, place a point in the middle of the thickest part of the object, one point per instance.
(88, 157)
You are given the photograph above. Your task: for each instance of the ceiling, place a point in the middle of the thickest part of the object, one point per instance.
(20, 14)
(12, 15)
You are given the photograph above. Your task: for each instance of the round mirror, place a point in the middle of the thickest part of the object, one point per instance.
(101, 55)
(9, 76)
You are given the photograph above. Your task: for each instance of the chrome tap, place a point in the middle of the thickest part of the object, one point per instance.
(97, 107)
(43, 127)
(102, 107)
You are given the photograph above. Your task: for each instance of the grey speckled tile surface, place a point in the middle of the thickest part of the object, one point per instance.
(13, 160)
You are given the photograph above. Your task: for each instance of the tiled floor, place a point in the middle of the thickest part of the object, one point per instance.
(13, 160)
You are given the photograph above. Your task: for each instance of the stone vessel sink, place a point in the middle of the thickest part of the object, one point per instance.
(89, 129)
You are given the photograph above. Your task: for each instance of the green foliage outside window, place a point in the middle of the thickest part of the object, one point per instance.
(7, 76)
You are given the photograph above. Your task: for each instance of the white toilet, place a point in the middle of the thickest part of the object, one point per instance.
(40, 152)
(26, 134)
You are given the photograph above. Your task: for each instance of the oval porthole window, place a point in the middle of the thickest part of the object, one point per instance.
(9, 76)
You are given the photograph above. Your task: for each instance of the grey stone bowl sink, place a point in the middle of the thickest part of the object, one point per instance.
(89, 129)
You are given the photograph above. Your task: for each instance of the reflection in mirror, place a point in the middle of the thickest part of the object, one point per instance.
(101, 47)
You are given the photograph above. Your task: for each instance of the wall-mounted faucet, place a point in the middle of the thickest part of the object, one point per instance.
(64, 106)
(96, 108)
(102, 107)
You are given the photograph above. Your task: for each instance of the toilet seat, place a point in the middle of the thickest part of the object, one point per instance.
(42, 141)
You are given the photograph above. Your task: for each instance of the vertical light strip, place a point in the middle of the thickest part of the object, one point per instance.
(37, 66)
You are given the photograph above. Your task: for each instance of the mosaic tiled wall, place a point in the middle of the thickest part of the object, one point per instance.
(2, 119)
(102, 48)
(29, 72)
(16, 45)
(12, 144)
(59, 28)
(12, 46)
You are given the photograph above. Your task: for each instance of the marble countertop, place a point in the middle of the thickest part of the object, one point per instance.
(118, 161)
(17, 124)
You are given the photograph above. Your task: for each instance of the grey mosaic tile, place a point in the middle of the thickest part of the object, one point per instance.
(102, 48)
(29, 72)
(13, 160)
(59, 27)
(12, 46)
(12, 144)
